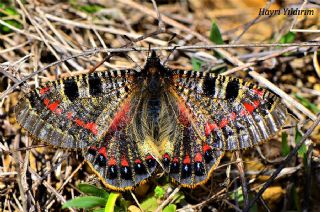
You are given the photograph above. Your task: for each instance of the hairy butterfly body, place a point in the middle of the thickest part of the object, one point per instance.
(129, 123)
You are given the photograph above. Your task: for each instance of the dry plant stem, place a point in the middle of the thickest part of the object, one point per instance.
(160, 23)
(68, 179)
(202, 204)
(38, 27)
(103, 29)
(96, 50)
(15, 47)
(19, 181)
(265, 205)
(142, 37)
(236, 208)
(285, 162)
(136, 200)
(251, 23)
(167, 201)
(24, 148)
(243, 178)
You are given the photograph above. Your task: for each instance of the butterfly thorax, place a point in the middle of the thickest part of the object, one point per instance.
(153, 76)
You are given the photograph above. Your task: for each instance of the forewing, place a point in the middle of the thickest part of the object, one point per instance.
(74, 112)
(233, 114)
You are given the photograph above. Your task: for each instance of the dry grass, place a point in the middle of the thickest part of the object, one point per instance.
(53, 40)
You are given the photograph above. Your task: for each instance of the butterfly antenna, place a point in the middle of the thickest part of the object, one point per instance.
(173, 49)
(130, 58)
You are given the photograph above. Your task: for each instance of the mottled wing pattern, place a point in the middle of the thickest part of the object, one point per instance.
(187, 157)
(121, 159)
(233, 114)
(74, 112)
(126, 122)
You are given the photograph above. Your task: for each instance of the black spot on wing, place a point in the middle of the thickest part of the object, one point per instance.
(209, 85)
(232, 90)
(34, 99)
(95, 85)
(71, 89)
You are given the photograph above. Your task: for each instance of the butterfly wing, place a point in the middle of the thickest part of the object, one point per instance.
(125, 157)
(186, 156)
(214, 114)
(234, 114)
(74, 112)
(97, 112)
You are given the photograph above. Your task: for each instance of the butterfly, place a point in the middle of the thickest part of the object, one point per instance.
(131, 123)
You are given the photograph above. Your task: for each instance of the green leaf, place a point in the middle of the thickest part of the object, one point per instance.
(5, 29)
(307, 104)
(215, 34)
(159, 192)
(303, 148)
(288, 38)
(124, 204)
(85, 202)
(285, 149)
(111, 202)
(170, 208)
(237, 195)
(99, 210)
(178, 198)
(150, 204)
(90, 8)
(93, 190)
(196, 64)
(11, 11)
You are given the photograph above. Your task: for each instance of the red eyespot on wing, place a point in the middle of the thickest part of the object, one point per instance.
(209, 127)
(79, 122)
(44, 90)
(46, 101)
(103, 151)
(248, 107)
(233, 116)
(183, 114)
(137, 161)
(58, 111)
(149, 157)
(186, 159)
(124, 162)
(198, 157)
(112, 162)
(258, 92)
(224, 122)
(92, 127)
(166, 155)
(206, 148)
(69, 115)
(121, 116)
(256, 103)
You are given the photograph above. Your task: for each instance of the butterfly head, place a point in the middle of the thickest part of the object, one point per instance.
(153, 73)
(153, 64)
